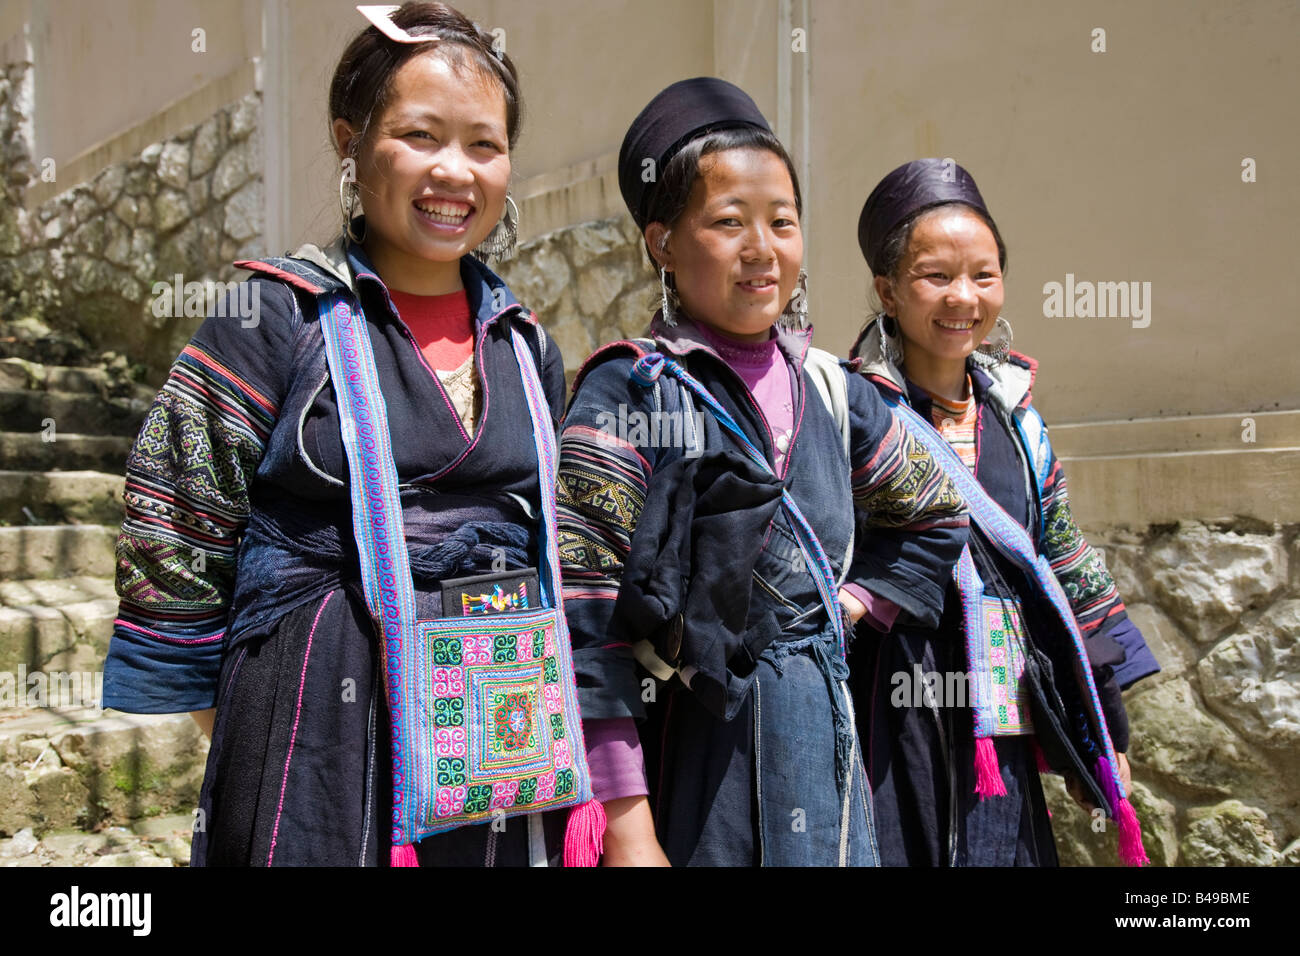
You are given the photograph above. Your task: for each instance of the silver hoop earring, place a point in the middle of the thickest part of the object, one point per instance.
(794, 317)
(670, 300)
(891, 352)
(348, 204)
(501, 241)
(1000, 350)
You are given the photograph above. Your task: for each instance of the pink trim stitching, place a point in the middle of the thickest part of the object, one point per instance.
(120, 622)
(297, 713)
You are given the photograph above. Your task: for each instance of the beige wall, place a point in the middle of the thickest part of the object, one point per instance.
(112, 64)
(113, 76)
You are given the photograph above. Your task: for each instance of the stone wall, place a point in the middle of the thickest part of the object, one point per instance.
(1216, 735)
(589, 284)
(81, 267)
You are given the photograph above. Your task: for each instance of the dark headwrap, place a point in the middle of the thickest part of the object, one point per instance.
(670, 121)
(908, 189)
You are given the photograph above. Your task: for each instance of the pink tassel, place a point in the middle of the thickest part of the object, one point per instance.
(584, 834)
(404, 855)
(1040, 758)
(988, 778)
(1131, 850)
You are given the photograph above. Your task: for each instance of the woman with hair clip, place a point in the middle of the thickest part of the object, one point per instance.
(1033, 623)
(368, 471)
(708, 480)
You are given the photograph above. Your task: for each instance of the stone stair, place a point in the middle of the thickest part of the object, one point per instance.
(78, 785)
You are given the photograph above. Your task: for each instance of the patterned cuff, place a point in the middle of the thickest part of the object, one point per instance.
(148, 673)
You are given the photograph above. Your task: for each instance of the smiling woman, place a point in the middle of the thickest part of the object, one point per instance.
(338, 460)
(703, 576)
(1045, 653)
(432, 170)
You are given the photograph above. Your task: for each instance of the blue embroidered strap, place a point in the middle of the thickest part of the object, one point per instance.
(378, 526)
(548, 553)
(377, 521)
(645, 371)
(1013, 542)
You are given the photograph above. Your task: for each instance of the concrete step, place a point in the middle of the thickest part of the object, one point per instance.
(56, 551)
(20, 373)
(157, 841)
(32, 341)
(17, 373)
(30, 451)
(82, 413)
(55, 497)
(82, 768)
(62, 624)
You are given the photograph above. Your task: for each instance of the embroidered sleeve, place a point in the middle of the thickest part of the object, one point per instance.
(912, 523)
(602, 489)
(187, 500)
(1077, 564)
(1087, 583)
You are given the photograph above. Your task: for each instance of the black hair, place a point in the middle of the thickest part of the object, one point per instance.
(364, 76)
(894, 247)
(669, 198)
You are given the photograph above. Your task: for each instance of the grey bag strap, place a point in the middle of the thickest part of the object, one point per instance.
(832, 384)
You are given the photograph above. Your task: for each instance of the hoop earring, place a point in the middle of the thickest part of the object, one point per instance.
(891, 352)
(348, 205)
(670, 300)
(501, 242)
(998, 351)
(794, 317)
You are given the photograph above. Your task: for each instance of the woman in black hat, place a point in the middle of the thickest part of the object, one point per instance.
(708, 477)
(954, 764)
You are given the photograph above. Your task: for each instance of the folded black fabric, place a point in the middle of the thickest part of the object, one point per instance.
(687, 583)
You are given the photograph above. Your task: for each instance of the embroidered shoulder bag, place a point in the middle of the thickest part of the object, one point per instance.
(484, 708)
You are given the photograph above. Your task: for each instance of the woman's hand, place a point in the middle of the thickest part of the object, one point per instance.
(630, 834)
(1075, 788)
(205, 718)
(851, 604)
(1125, 774)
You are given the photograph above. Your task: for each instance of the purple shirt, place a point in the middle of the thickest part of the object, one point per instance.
(763, 369)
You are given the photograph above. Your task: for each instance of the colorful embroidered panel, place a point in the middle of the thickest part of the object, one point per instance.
(494, 717)
(1004, 633)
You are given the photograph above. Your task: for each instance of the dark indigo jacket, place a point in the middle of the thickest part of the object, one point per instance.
(241, 460)
(916, 523)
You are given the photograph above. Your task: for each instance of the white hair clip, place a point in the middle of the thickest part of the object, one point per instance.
(381, 16)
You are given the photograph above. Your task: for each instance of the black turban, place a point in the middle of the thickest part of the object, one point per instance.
(908, 189)
(670, 121)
